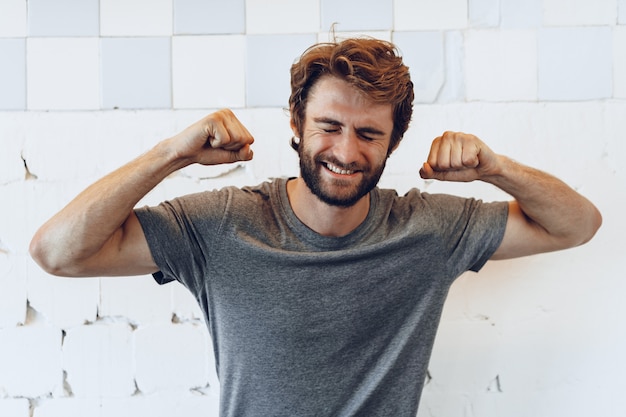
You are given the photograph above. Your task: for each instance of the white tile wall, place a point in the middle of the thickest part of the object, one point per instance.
(484, 13)
(501, 65)
(66, 406)
(118, 298)
(98, 360)
(282, 16)
(136, 73)
(201, 64)
(13, 74)
(268, 60)
(63, 302)
(515, 14)
(171, 357)
(575, 63)
(353, 15)
(579, 12)
(424, 54)
(543, 81)
(13, 19)
(63, 18)
(619, 62)
(136, 17)
(30, 361)
(15, 407)
(62, 73)
(429, 15)
(69, 131)
(13, 294)
(200, 17)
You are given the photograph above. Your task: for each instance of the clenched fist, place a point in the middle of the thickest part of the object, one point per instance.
(456, 156)
(218, 138)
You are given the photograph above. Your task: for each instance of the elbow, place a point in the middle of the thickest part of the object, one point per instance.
(44, 255)
(595, 222)
(39, 254)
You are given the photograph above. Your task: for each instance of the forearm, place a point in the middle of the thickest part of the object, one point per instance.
(561, 216)
(97, 215)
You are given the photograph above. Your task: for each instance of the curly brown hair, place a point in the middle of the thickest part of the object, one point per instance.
(371, 65)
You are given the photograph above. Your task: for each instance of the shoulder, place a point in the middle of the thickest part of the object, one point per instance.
(443, 209)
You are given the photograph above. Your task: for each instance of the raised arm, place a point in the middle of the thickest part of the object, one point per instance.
(546, 215)
(97, 233)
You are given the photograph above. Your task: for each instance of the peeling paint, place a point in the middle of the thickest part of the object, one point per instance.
(28, 175)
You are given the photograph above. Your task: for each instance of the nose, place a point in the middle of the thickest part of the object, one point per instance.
(346, 149)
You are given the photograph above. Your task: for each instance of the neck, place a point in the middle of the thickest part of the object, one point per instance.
(323, 218)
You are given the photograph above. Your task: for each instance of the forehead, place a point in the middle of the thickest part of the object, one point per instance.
(335, 98)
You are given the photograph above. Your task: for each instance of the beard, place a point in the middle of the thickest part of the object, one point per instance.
(337, 192)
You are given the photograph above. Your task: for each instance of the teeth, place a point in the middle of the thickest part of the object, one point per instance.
(338, 170)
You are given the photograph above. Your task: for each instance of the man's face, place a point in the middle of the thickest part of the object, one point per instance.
(345, 142)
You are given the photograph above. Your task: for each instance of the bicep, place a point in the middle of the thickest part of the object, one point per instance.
(523, 237)
(125, 253)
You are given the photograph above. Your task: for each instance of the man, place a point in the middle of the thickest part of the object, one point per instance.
(322, 293)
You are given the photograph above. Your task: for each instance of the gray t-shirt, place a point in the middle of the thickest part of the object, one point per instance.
(308, 325)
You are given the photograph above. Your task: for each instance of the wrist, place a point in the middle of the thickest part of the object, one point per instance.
(499, 170)
(169, 156)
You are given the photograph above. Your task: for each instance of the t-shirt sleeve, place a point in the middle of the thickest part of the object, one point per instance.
(471, 229)
(179, 235)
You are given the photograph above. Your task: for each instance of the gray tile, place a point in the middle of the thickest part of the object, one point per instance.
(575, 63)
(205, 17)
(269, 58)
(63, 18)
(136, 73)
(515, 14)
(13, 74)
(352, 15)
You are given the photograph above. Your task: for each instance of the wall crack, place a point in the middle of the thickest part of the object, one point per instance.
(28, 175)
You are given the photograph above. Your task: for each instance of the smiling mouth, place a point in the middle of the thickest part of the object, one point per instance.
(337, 170)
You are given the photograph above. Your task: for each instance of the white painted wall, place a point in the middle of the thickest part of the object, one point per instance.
(87, 85)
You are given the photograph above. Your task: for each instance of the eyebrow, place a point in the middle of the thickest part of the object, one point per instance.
(365, 129)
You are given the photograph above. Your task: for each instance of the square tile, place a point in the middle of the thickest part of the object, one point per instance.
(198, 82)
(62, 73)
(454, 88)
(63, 18)
(200, 17)
(484, 13)
(13, 74)
(423, 53)
(351, 15)
(501, 65)
(136, 17)
(282, 16)
(13, 18)
(269, 58)
(575, 63)
(579, 12)
(430, 15)
(136, 73)
(515, 14)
